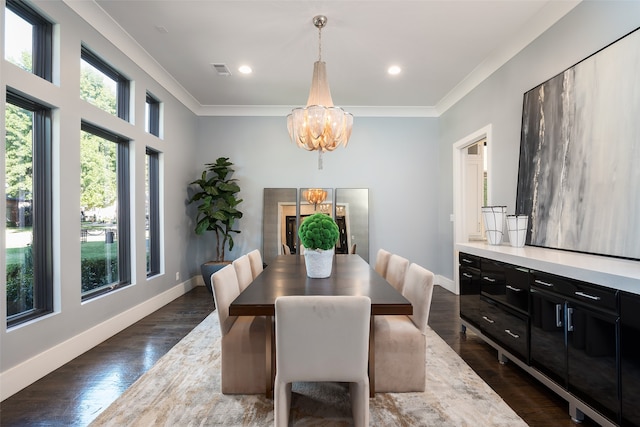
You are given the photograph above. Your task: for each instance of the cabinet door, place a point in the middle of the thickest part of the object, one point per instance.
(630, 358)
(592, 354)
(548, 351)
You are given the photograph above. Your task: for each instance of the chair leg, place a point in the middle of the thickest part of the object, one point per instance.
(281, 403)
(359, 392)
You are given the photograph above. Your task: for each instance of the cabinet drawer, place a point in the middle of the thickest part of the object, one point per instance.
(597, 297)
(492, 278)
(507, 327)
(467, 260)
(470, 295)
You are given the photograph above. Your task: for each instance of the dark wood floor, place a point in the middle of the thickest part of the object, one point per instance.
(77, 392)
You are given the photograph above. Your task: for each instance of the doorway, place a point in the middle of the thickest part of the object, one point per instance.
(474, 189)
(471, 189)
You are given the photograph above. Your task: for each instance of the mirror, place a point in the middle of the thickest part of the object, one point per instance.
(279, 225)
(314, 200)
(352, 216)
(284, 206)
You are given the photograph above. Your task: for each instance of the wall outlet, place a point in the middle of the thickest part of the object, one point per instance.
(177, 275)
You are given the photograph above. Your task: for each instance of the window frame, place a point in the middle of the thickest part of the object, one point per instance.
(42, 243)
(153, 157)
(153, 122)
(122, 82)
(124, 208)
(42, 35)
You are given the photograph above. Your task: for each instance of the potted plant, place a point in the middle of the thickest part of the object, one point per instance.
(217, 199)
(318, 234)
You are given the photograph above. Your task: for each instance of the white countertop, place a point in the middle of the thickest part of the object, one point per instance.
(605, 271)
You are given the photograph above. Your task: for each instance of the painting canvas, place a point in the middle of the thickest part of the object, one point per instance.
(579, 171)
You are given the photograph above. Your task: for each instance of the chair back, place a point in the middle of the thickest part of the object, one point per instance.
(322, 338)
(396, 271)
(243, 271)
(418, 288)
(382, 261)
(255, 259)
(224, 284)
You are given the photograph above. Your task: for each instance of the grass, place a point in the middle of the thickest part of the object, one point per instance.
(89, 250)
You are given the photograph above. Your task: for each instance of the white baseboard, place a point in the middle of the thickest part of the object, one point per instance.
(446, 283)
(15, 379)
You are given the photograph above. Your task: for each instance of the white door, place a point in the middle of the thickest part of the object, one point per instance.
(473, 198)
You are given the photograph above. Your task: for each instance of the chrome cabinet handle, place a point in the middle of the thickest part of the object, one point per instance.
(569, 319)
(468, 261)
(512, 334)
(558, 315)
(511, 288)
(487, 319)
(593, 297)
(488, 279)
(467, 275)
(547, 284)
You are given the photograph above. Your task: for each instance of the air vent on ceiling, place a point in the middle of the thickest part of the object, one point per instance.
(221, 69)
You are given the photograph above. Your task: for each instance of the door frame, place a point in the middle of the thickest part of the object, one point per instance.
(458, 194)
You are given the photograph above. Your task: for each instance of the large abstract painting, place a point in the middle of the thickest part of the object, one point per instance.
(579, 172)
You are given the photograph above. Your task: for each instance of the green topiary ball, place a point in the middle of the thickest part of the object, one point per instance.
(319, 231)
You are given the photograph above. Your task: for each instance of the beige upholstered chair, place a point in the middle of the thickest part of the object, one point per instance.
(400, 343)
(286, 250)
(353, 249)
(396, 270)
(382, 261)
(243, 271)
(255, 259)
(322, 338)
(243, 350)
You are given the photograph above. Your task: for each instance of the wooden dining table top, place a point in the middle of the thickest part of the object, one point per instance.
(287, 275)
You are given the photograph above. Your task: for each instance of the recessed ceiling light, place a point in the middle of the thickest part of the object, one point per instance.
(245, 69)
(394, 69)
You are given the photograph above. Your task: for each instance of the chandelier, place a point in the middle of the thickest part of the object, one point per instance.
(319, 126)
(315, 196)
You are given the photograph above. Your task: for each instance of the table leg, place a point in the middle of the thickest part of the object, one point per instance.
(372, 370)
(270, 356)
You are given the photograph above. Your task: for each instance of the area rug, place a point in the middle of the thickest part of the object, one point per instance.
(183, 389)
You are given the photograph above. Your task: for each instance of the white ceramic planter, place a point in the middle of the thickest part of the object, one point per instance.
(494, 223)
(517, 229)
(318, 263)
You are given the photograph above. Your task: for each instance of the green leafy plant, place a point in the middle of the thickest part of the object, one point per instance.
(318, 231)
(217, 198)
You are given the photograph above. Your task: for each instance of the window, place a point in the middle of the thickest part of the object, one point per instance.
(28, 39)
(28, 232)
(152, 211)
(104, 211)
(152, 115)
(103, 86)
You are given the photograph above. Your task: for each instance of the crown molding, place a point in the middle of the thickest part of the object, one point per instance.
(102, 22)
(95, 16)
(551, 13)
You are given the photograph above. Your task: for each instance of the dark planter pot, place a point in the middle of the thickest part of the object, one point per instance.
(210, 267)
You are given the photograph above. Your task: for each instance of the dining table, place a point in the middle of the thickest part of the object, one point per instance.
(286, 275)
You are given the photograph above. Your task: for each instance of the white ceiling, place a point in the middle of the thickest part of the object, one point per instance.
(444, 47)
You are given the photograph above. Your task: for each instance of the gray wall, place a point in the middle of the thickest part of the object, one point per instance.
(72, 318)
(395, 158)
(591, 26)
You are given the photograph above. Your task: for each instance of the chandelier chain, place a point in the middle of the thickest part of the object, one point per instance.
(320, 44)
